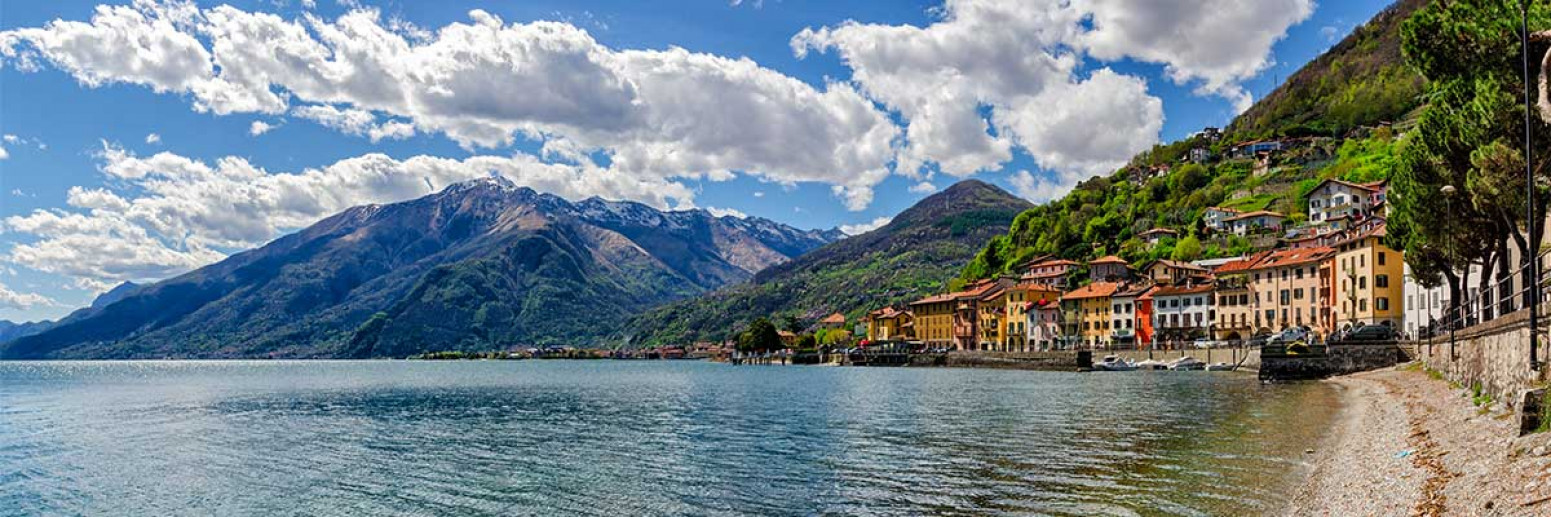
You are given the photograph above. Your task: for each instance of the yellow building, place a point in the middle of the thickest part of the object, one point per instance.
(1369, 286)
(1087, 314)
(934, 319)
(1235, 314)
(1021, 300)
(890, 324)
(992, 310)
(1285, 287)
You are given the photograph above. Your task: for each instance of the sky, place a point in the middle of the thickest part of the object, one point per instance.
(146, 138)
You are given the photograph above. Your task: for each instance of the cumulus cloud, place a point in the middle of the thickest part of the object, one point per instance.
(974, 85)
(1214, 43)
(861, 228)
(3, 153)
(925, 187)
(484, 83)
(13, 300)
(259, 127)
(153, 139)
(165, 214)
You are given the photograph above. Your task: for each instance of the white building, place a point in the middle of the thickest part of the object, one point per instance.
(1217, 217)
(1262, 220)
(1182, 313)
(1337, 203)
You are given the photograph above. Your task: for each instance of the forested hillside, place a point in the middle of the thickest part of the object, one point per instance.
(1341, 113)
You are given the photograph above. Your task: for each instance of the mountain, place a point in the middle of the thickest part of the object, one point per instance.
(1361, 80)
(1342, 116)
(11, 330)
(477, 266)
(912, 256)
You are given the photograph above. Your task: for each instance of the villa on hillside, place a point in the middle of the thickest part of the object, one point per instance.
(1169, 272)
(1156, 235)
(1109, 268)
(1216, 218)
(1049, 272)
(1255, 222)
(1335, 204)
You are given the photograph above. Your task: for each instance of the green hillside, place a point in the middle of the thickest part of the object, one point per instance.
(1345, 109)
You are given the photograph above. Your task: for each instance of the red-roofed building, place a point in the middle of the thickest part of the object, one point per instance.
(1109, 268)
(1291, 287)
(1086, 314)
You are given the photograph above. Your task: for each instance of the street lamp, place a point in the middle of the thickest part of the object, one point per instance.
(1448, 204)
(1532, 284)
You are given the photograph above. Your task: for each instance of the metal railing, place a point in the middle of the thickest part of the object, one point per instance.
(1506, 294)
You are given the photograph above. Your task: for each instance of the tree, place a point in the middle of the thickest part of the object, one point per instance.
(1187, 249)
(761, 336)
(807, 342)
(1466, 135)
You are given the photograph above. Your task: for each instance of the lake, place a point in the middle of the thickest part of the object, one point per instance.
(642, 438)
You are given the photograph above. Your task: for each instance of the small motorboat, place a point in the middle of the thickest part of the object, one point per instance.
(1187, 363)
(1113, 363)
(1152, 364)
(1220, 367)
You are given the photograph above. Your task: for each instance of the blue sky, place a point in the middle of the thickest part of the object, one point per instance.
(860, 135)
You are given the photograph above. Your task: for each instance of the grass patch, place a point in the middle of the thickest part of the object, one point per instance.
(1545, 413)
(1479, 397)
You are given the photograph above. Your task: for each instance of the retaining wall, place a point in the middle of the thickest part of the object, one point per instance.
(1494, 354)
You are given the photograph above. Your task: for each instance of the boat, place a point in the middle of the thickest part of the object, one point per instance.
(1152, 364)
(1113, 363)
(1220, 367)
(1187, 363)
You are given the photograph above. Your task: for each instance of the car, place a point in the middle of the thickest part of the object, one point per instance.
(1259, 340)
(1289, 335)
(1205, 343)
(1371, 333)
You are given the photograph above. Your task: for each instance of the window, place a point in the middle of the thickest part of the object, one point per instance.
(1299, 274)
(1381, 255)
(1362, 305)
(1362, 282)
(1362, 260)
(1286, 297)
(1298, 293)
(1381, 280)
(1381, 304)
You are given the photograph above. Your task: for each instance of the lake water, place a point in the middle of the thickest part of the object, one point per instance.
(642, 438)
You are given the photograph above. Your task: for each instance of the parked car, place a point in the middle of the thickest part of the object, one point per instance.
(1289, 336)
(1371, 333)
(1259, 340)
(1205, 343)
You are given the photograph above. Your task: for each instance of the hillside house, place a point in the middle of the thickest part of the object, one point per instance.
(1255, 222)
(1109, 269)
(1200, 155)
(1336, 204)
(1156, 235)
(1169, 272)
(1048, 272)
(1216, 218)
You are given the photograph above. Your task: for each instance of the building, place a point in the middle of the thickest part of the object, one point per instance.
(1335, 204)
(1168, 272)
(991, 308)
(1255, 222)
(1369, 278)
(933, 319)
(1022, 301)
(1045, 325)
(1046, 271)
(1109, 268)
(1156, 235)
(1233, 307)
(1086, 315)
(1182, 313)
(788, 339)
(889, 324)
(1131, 316)
(833, 321)
(1286, 289)
(1255, 147)
(1200, 154)
(1216, 218)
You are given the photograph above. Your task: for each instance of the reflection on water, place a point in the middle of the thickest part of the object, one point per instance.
(613, 438)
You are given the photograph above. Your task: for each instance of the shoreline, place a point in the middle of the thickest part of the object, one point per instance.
(1403, 443)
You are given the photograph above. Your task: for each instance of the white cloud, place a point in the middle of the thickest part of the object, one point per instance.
(659, 114)
(1040, 189)
(759, 193)
(1218, 43)
(13, 300)
(861, 228)
(924, 187)
(3, 153)
(725, 212)
(153, 139)
(165, 214)
(259, 127)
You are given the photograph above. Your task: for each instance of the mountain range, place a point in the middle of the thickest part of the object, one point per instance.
(480, 265)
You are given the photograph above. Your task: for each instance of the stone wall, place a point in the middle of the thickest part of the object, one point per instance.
(1494, 354)
(1064, 361)
(1337, 359)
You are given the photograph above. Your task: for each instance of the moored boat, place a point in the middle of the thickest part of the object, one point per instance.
(1187, 363)
(1113, 363)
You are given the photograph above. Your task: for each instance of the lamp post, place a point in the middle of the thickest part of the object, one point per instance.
(1532, 284)
(1448, 204)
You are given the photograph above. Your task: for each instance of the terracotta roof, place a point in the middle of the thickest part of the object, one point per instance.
(1294, 257)
(1093, 290)
(1129, 291)
(887, 313)
(1242, 264)
(1256, 213)
(1159, 231)
(1222, 209)
(1176, 264)
(936, 298)
(1179, 290)
(834, 318)
(1108, 259)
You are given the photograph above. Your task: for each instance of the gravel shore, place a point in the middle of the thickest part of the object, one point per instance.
(1407, 444)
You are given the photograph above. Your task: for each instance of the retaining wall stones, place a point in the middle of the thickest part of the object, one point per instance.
(1338, 359)
(1494, 354)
